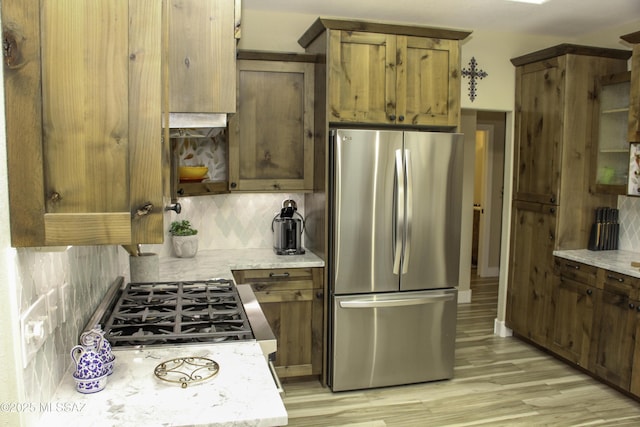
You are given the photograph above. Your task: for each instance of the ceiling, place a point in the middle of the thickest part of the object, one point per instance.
(561, 18)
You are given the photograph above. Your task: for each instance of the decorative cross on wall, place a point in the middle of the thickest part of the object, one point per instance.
(473, 73)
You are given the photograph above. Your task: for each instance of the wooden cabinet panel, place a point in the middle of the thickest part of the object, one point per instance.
(92, 149)
(202, 55)
(362, 80)
(539, 115)
(573, 306)
(531, 272)
(271, 136)
(292, 301)
(614, 331)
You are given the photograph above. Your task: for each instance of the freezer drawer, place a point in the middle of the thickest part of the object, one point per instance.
(394, 338)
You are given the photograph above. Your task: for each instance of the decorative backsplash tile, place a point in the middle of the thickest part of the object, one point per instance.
(629, 223)
(230, 221)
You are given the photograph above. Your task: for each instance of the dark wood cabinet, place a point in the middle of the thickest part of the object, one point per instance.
(531, 273)
(613, 344)
(292, 300)
(573, 301)
(634, 101)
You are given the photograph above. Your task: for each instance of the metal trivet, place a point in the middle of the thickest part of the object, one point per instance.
(187, 370)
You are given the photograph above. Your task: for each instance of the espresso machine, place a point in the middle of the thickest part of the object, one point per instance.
(287, 230)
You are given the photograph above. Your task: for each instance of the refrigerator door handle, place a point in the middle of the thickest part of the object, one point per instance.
(408, 211)
(368, 303)
(398, 216)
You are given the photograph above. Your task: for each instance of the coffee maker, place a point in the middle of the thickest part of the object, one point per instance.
(287, 230)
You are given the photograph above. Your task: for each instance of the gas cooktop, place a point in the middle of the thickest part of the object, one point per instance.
(176, 313)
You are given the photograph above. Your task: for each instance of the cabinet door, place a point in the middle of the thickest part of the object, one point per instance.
(538, 131)
(610, 165)
(573, 302)
(362, 78)
(292, 302)
(531, 270)
(202, 56)
(83, 91)
(428, 81)
(613, 343)
(271, 136)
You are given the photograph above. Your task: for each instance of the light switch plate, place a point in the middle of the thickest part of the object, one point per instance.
(34, 328)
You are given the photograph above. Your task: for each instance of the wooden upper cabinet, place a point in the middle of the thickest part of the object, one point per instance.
(539, 114)
(202, 55)
(634, 101)
(391, 74)
(83, 110)
(271, 135)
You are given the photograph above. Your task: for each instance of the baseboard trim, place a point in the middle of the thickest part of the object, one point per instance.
(464, 297)
(500, 329)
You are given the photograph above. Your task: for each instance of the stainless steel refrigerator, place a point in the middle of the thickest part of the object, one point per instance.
(394, 253)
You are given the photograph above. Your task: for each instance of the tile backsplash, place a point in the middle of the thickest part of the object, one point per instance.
(629, 223)
(223, 221)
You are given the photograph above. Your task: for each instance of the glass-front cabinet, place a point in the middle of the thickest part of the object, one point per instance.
(611, 166)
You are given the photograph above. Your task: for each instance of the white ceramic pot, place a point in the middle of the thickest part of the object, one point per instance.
(185, 246)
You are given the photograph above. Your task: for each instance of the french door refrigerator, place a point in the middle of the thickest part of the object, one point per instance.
(394, 251)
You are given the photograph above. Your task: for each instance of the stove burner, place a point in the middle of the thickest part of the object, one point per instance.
(177, 313)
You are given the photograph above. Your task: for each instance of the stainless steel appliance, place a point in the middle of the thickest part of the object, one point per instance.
(394, 251)
(182, 312)
(287, 230)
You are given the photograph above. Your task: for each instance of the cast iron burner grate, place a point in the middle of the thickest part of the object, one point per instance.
(177, 313)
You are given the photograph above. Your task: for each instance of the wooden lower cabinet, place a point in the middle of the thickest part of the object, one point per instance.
(613, 345)
(531, 273)
(573, 306)
(292, 301)
(596, 319)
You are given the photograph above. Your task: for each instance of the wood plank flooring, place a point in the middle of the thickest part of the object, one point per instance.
(497, 382)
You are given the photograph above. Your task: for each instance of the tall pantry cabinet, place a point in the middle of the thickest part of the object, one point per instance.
(552, 207)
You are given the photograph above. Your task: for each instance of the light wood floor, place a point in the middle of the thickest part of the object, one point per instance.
(497, 382)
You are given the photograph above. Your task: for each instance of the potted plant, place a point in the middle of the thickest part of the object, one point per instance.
(184, 239)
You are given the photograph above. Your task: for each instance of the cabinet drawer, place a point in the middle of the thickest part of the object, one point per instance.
(278, 279)
(619, 283)
(577, 271)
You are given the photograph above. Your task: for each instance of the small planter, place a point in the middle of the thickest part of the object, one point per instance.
(185, 246)
(185, 241)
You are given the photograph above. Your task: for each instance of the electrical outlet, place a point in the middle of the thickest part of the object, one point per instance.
(34, 328)
(63, 295)
(52, 310)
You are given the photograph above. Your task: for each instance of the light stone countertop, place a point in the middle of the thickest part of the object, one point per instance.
(618, 261)
(218, 263)
(242, 394)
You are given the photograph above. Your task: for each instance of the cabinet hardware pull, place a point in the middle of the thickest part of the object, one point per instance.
(143, 210)
(392, 117)
(176, 207)
(274, 275)
(577, 267)
(552, 210)
(319, 294)
(631, 306)
(619, 279)
(233, 185)
(552, 199)
(589, 292)
(401, 118)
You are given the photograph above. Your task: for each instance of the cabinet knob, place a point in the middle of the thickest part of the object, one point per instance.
(589, 292)
(143, 210)
(233, 185)
(552, 199)
(176, 207)
(180, 191)
(319, 294)
(401, 118)
(392, 117)
(552, 210)
(631, 306)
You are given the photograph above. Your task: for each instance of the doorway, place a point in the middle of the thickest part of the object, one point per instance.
(488, 192)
